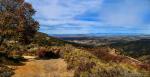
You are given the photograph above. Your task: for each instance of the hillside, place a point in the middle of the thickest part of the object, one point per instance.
(85, 60)
(45, 39)
(135, 49)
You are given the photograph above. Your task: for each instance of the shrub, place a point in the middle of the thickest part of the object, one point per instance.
(88, 65)
(45, 53)
(5, 71)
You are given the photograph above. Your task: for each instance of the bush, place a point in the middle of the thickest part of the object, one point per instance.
(5, 71)
(88, 65)
(46, 53)
(10, 60)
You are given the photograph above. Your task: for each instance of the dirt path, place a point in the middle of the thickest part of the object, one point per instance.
(44, 68)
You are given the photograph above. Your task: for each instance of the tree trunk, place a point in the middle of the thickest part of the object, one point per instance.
(1, 40)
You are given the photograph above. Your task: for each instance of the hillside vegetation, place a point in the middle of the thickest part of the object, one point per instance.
(135, 49)
(19, 37)
(139, 49)
(87, 62)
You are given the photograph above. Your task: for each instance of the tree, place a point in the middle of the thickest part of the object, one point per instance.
(16, 21)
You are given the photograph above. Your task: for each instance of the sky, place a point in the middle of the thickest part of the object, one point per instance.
(92, 16)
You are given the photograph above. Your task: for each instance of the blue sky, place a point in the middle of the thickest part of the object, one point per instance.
(92, 16)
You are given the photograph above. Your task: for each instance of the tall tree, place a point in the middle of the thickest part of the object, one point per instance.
(16, 20)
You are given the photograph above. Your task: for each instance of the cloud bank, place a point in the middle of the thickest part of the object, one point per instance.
(92, 16)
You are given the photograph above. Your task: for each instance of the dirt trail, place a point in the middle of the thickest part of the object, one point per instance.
(43, 68)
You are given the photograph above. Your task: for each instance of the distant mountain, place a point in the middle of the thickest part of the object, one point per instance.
(99, 35)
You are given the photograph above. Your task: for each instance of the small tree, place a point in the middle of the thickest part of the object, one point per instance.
(16, 20)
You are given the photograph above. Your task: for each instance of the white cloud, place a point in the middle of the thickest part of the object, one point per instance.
(125, 13)
(62, 12)
(70, 21)
(63, 9)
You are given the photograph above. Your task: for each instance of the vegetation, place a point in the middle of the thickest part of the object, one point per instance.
(135, 49)
(17, 24)
(5, 71)
(19, 37)
(16, 20)
(88, 65)
(46, 53)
